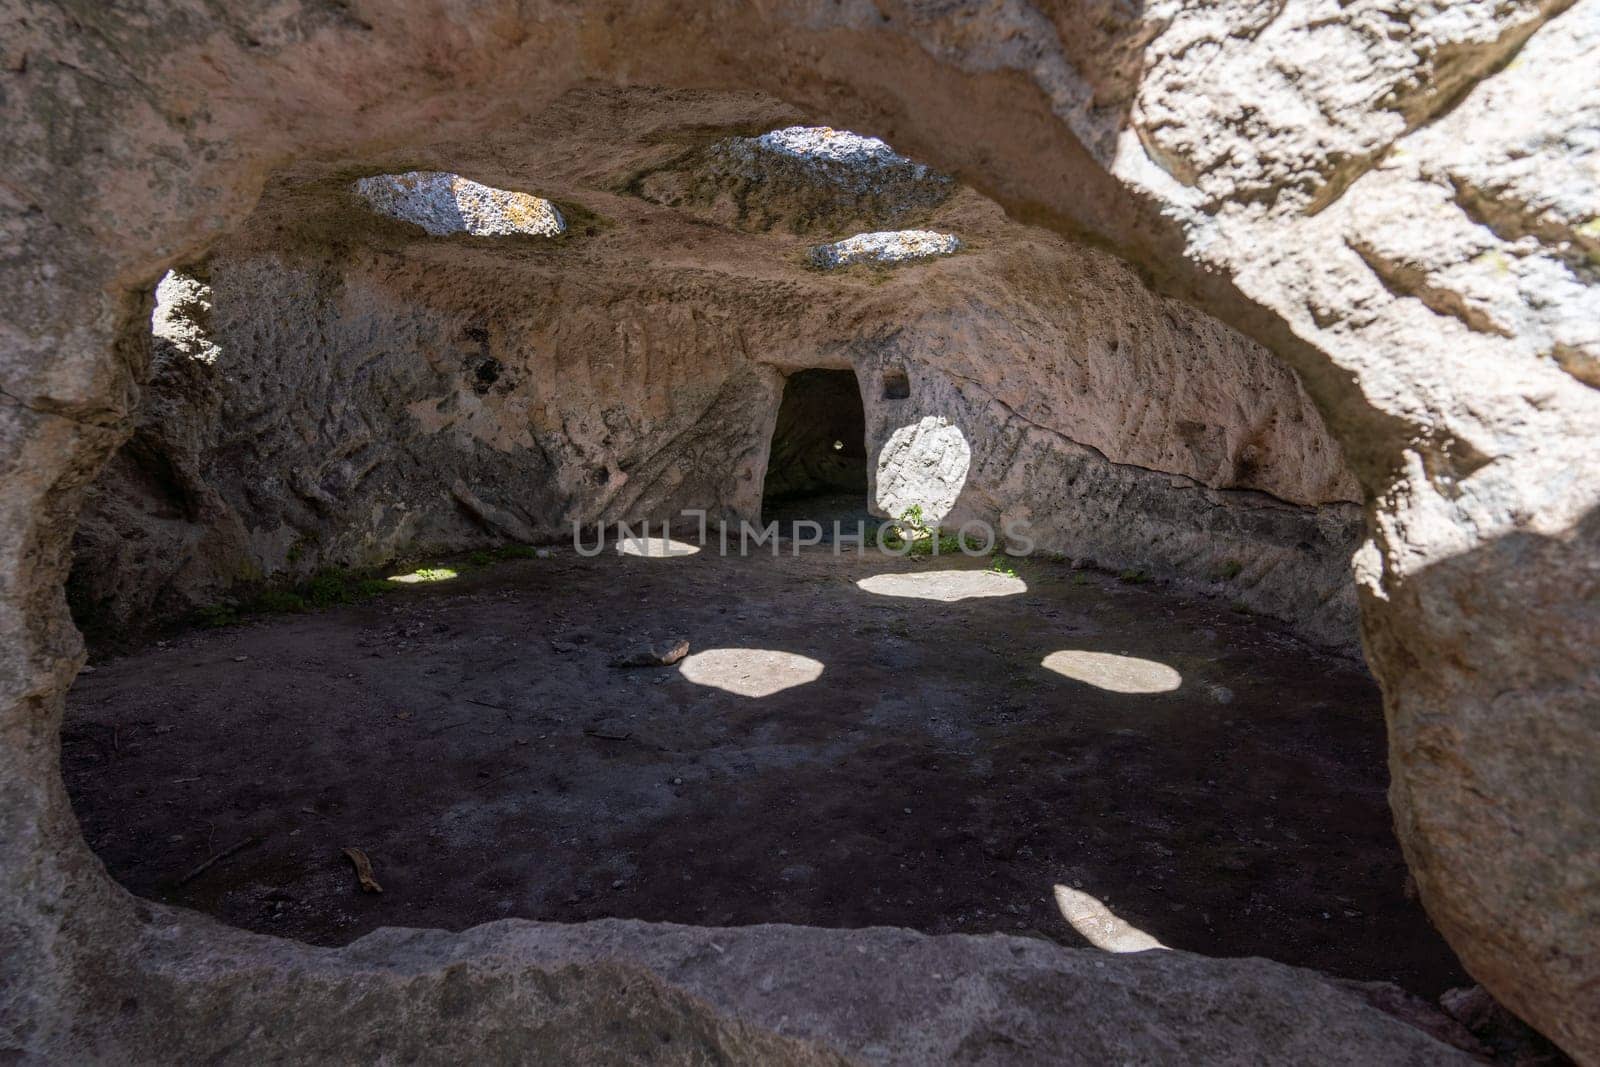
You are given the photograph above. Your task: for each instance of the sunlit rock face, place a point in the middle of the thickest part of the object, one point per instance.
(895, 246)
(178, 325)
(443, 204)
(923, 465)
(801, 179)
(842, 157)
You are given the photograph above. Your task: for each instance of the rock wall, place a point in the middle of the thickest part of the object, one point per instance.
(353, 391)
(139, 135)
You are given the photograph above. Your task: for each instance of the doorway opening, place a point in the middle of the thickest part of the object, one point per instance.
(817, 470)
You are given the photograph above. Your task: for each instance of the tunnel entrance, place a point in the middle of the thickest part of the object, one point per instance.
(817, 469)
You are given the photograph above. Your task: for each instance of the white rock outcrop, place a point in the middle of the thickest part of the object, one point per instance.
(444, 204)
(892, 246)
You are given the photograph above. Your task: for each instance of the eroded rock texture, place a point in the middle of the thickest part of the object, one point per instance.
(370, 392)
(447, 203)
(621, 991)
(1396, 199)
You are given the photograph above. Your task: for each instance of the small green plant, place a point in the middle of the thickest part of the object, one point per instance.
(1001, 564)
(326, 589)
(946, 544)
(1080, 579)
(1133, 576)
(1240, 607)
(517, 552)
(1230, 570)
(332, 587)
(480, 558)
(911, 521)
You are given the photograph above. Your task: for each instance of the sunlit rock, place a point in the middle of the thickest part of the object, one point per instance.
(802, 178)
(923, 465)
(444, 203)
(183, 305)
(888, 246)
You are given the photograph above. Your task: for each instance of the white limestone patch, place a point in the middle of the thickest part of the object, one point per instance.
(183, 308)
(841, 159)
(824, 143)
(923, 465)
(886, 246)
(443, 203)
(804, 179)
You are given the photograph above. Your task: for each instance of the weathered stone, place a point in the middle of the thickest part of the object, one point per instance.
(894, 246)
(448, 203)
(1228, 149)
(803, 179)
(355, 408)
(616, 991)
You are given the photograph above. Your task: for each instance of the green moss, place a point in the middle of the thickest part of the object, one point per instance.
(1133, 576)
(1230, 570)
(1001, 564)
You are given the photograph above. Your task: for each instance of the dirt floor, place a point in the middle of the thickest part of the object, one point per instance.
(923, 768)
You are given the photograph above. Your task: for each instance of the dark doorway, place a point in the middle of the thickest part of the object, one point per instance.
(817, 469)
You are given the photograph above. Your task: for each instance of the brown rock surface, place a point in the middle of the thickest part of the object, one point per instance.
(1217, 146)
(356, 370)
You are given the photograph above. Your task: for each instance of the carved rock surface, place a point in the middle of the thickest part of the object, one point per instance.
(1259, 158)
(891, 246)
(623, 991)
(366, 393)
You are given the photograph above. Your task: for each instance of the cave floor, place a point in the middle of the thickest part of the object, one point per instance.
(471, 737)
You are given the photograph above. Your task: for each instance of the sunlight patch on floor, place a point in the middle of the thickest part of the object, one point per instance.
(750, 672)
(655, 547)
(944, 586)
(1098, 926)
(1112, 672)
(424, 574)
